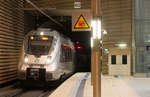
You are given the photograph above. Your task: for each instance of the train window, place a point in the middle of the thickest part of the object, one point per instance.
(70, 55)
(66, 54)
(62, 57)
(124, 59)
(113, 59)
(39, 45)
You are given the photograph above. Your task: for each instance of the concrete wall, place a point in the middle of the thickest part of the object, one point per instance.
(11, 36)
(117, 21)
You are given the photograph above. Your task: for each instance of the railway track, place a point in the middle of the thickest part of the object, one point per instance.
(46, 93)
(29, 93)
(26, 92)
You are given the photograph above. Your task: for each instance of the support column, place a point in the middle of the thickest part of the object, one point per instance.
(96, 69)
(96, 64)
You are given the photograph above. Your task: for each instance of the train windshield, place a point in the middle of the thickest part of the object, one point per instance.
(39, 45)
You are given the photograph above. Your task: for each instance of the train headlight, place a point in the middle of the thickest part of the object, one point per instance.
(48, 59)
(26, 59)
(23, 67)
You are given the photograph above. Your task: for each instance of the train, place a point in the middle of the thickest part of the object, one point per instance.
(47, 55)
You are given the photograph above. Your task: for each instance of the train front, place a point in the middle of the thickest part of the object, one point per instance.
(37, 60)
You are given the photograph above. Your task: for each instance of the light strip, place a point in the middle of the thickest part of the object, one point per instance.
(99, 29)
(122, 45)
(91, 42)
(104, 32)
(94, 29)
(96, 24)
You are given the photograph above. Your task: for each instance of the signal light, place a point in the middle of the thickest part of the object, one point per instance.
(122, 45)
(31, 38)
(106, 50)
(79, 47)
(77, 42)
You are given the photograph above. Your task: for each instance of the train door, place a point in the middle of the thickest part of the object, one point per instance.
(119, 62)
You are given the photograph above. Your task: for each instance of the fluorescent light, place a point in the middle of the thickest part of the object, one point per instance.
(99, 29)
(96, 24)
(94, 29)
(122, 45)
(91, 42)
(104, 32)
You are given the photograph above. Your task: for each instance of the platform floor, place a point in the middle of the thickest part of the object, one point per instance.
(79, 85)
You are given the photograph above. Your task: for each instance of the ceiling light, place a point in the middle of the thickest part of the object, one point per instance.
(96, 24)
(122, 45)
(104, 32)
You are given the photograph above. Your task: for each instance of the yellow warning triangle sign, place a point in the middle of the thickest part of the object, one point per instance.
(81, 23)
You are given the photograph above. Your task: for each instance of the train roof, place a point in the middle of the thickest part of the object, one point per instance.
(52, 26)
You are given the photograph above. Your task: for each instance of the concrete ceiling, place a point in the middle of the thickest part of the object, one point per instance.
(54, 12)
(57, 7)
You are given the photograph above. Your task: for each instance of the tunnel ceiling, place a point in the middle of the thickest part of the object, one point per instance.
(57, 7)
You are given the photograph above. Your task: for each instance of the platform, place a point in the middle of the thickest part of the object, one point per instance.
(79, 85)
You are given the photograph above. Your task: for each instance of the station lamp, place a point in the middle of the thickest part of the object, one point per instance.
(104, 32)
(96, 27)
(122, 45)
(96, 24)
(91, 42)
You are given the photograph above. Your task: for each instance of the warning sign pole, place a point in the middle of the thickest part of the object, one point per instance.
(96, 64)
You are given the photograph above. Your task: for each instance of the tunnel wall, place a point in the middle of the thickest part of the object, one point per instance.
(11, 36)
(117, 21)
